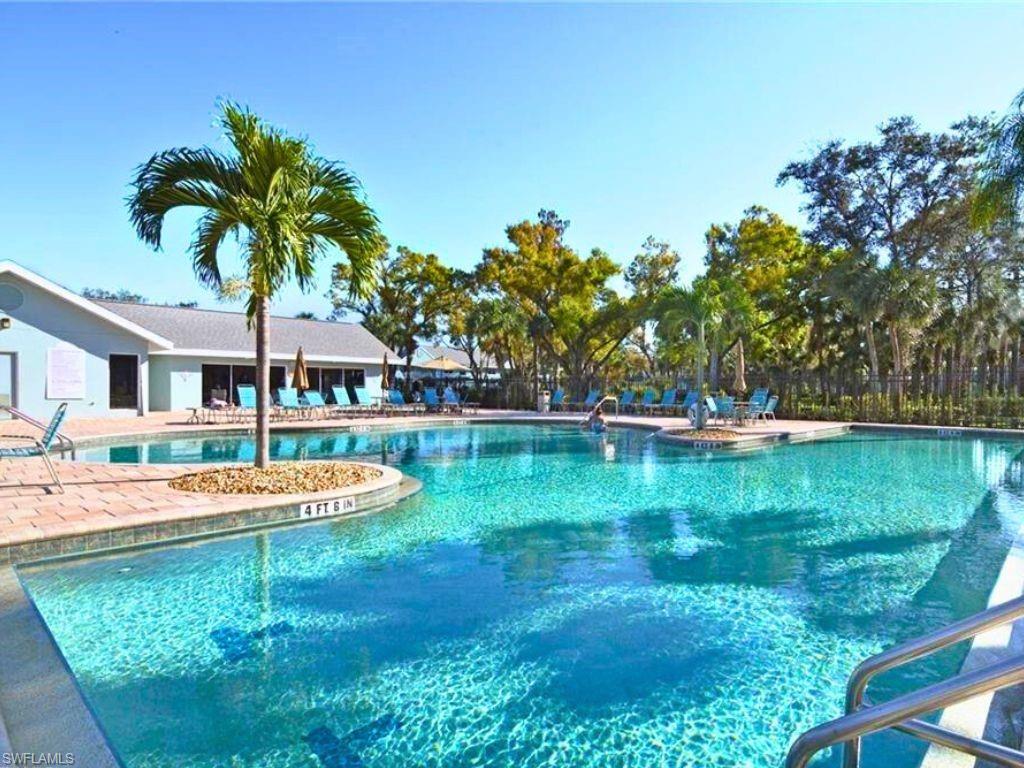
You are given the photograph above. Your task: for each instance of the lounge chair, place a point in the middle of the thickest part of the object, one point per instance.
(462, 404)
(431, 402)
(689, 400)
(364, 402)
(626, 399)
(40, 446)
(646, 401)
(397, 403)
(288, 402)
(711, 407)
(589, 402)
(558, 400)
(315, 402)
(246, 401)
(768, 412)
(668, 402)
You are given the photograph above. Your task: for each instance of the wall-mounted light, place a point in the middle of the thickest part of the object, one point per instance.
(5, 323)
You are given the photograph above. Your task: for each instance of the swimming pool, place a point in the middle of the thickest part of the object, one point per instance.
(551, 598)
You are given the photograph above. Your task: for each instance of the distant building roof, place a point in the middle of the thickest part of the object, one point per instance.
(226, 334)
(433, 351)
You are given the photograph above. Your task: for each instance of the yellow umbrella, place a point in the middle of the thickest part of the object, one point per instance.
(443, 363)
(385, 383)
(300, 377)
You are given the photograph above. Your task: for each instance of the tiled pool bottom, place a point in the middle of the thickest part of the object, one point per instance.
(550, 599)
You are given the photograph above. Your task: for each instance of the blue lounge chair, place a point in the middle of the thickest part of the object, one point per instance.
(40, 447)
(452, 398)
(342, 402)
(711, 407)
(430, 400)
(689, 399)
(768, 412)
(288, 402)
(589, 402)
(626, 399)
(668, 402)
(246, 401)
(558, 400)
(398, 403)
(647, 400)
(363, 399)
(315, 402)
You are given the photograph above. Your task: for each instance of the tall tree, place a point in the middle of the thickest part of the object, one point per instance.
(285, 206)
(585, 320)
(652, 269)
(410, 303)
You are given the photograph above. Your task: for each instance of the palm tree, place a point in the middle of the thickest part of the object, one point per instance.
(285, 207)
(1002, 182)
(699, 309)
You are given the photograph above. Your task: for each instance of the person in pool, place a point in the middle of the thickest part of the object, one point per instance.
(595, 421)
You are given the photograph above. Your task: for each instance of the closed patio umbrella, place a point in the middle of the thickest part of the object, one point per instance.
(300, 378)
(385, 382)
(739, 385)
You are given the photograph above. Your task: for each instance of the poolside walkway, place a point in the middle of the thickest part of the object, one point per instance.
(104, 503)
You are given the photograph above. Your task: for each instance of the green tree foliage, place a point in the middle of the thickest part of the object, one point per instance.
(412, 299)
(652, 269)
(584, 321)
(285, 206)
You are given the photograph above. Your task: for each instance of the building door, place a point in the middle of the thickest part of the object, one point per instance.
(8, 382)
(124, 382)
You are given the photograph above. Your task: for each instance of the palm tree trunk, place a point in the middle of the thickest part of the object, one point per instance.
(262, 382)
(713, 372)
(699, 405)
(869, 338)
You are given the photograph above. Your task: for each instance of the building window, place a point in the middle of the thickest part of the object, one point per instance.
(221, 381)
(124, 381)
(355, 377)
(329, 379)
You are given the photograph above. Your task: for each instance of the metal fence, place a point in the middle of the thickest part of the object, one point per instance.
(953, 398)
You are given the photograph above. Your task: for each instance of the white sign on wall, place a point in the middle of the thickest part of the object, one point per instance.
(65, 373)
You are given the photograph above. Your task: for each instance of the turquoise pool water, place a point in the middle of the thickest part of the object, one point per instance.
(551, 598)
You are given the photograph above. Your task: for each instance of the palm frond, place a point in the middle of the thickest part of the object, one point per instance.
(179, 178)
(212, 228)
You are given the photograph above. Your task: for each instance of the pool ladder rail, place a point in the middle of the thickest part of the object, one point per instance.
(864, 717)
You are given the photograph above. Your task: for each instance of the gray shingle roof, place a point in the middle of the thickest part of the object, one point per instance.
(220, 331)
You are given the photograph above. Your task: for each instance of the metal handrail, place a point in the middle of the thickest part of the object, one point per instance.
(918, 648)
(900, 711)
(65, 442)
(614, 399)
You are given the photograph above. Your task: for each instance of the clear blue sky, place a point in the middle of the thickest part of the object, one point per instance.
(459, 119)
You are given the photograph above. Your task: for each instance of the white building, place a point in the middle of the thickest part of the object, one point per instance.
(117, 358)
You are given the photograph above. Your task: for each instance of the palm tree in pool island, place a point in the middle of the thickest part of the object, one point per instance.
(697, 309)
(283, 205)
